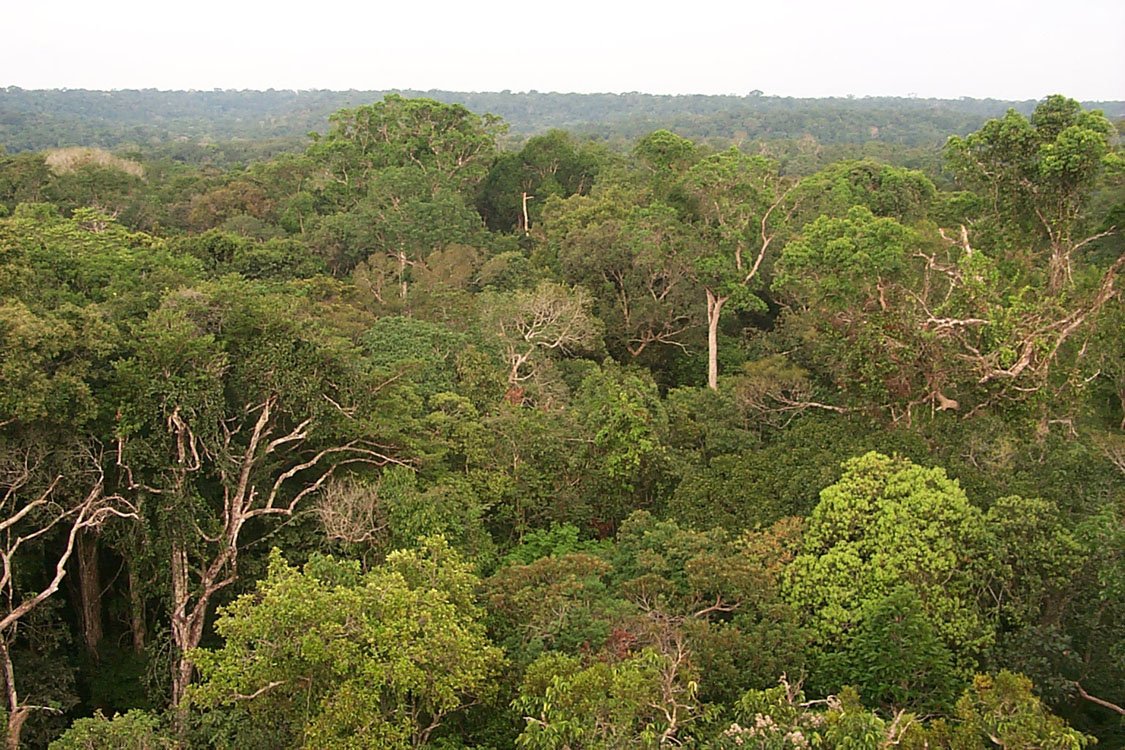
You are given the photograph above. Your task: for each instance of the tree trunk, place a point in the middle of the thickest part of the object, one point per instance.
(136, 612)
(182, 625)
(16, 719)
(402, 275)
(714, 310)
(1058, 270)
(17, 714)
(90, 590)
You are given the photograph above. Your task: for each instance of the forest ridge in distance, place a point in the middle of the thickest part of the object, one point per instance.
(37, 119)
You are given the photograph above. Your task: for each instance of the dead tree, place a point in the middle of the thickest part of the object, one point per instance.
(263, 470)
(34, 508)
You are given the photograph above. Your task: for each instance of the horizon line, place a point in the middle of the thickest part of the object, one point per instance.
(752, 94)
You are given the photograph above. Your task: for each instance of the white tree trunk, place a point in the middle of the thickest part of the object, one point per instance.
(714, 310)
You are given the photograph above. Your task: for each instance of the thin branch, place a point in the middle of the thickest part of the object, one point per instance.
(259, 691)
(1099, 701)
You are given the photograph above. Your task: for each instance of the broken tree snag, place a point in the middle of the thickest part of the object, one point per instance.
(714, 311)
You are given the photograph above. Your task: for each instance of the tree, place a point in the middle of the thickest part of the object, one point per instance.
(134, 730)
(233, 412)
(635, 255)
(1033, 557)
(626, 458)
(557, 602)
(519, 184)
(999, 710)
(894, 657)
(885, 524)
(404, 216)
(22, 179)
(446, 142)
(741, 205)
(528, 324)
(604, 705)
(1037, 176)
(780, 718)
(1095, 620)
(912, 316)
(33, 506)
(337, 658)
(905, 195)
(665, 156)
(71, 288)
(844, 262)
(843, 278)
(1004, 710)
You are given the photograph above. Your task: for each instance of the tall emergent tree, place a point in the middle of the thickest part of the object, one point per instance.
(1036, 177)
(741, 204)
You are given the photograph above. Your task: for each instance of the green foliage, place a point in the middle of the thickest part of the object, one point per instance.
(676, 570)
(621, 409)
(451, 509)
(1038, 172)
(530, 325)
(704, 423)
(557, 540)
(557, 603)
(778, 718)
(91, 258)
(134, 730)
(1004, 710)
(736, 201)
(552, 164)
(397, 132)
(635, 256)
(340, 658)
(651, 549)
(664, 152)
(424, 351)
(885, 524)
(902, 194)
(894, 657)
(840, 262)
(600, 706)
(1031, 558)
(996, 711)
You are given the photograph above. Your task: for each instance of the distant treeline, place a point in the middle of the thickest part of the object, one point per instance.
(32, 120)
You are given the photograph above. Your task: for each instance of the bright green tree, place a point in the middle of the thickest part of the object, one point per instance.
(637, 702)
(331, 657)
(885, 524)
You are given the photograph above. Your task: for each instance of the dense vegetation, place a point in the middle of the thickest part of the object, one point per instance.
(404, 439)
(225, 123)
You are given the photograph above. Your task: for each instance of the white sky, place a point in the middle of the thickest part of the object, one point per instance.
(1007, 49)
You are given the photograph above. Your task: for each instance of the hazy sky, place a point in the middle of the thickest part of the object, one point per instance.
(1009, 49)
